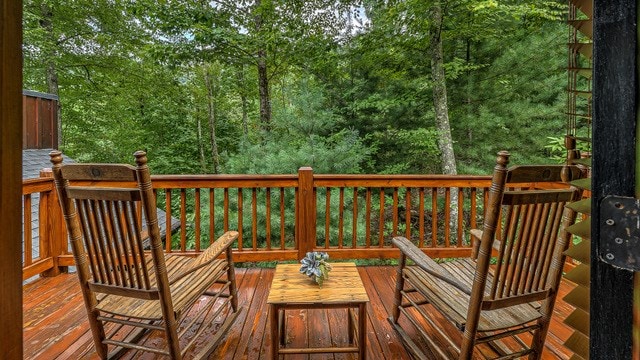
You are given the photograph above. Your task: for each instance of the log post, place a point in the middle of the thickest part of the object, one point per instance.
(10, 179)
(305, 212)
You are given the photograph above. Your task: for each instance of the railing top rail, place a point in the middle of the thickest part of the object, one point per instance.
(223, 181)
(320, 180)
(390, 181)
(438, 177)
(35, 185)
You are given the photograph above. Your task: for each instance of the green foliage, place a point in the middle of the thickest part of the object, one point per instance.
(350, 82)
(303, 134)
(556, 147)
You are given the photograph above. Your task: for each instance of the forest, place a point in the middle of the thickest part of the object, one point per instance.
(268, 86)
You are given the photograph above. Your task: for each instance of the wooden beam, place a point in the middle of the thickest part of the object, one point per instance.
(10, 178)
(614, 128)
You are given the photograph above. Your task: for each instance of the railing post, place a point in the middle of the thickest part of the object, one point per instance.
(305, 212)
(52, 231)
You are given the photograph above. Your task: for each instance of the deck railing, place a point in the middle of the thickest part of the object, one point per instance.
(281, 217)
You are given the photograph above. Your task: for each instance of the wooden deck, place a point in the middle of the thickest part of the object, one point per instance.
(55, 325)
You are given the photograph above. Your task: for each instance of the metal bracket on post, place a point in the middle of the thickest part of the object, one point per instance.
(620, 232)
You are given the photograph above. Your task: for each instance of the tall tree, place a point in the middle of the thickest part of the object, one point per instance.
(270, 35)
(440, 104)
(212, 112)
(261, 10)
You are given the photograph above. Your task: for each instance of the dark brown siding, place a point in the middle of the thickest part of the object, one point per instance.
(39, 120)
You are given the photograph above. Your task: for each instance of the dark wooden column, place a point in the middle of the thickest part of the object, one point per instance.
(10, 179)
(614, 137)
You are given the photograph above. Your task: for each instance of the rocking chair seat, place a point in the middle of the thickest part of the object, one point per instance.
(184, 285)
(454, 304)
(182, 291)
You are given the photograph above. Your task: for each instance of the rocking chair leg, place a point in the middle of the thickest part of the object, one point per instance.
(397, 302)
(231, 277)
(98, 334)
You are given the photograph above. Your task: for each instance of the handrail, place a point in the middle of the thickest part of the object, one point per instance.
(280, 217)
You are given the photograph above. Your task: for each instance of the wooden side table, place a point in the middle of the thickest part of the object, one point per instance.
(292, 290)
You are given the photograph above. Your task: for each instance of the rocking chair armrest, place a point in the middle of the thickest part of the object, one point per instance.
(477, 235)
(408, 249)
(213, 251)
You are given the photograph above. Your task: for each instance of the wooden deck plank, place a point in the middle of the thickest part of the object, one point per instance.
(57, 328)
(256, 324)
(318, 333)
(381, 301)
(256, 348)
(338, 335)
(247, 289)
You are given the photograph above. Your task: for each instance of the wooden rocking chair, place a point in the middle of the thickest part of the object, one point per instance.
(507, 288)
(124, 286)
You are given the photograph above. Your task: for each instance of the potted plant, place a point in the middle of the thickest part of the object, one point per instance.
(315, 265)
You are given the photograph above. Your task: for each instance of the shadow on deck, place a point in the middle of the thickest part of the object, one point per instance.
(55, 325)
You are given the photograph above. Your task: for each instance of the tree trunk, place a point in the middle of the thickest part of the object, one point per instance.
(244, 104)
(263, 78)
(470, 86)
(445, 141)
(203, 162)
(51, 72)
(263, 89)
(211, 104)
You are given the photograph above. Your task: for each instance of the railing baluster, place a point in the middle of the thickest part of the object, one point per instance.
(197, 219)
(354, 230)
(183, 219)
(268, 219)
(407, 213)
(394, 212)
(341, 219)
(447, 217)
(167, 210)
(240, 216)
(282, 228)
(421, 210)
(212, 216)
(460, 221)
(434, 217)
(367, 218)
(225, 210)
(28, 236)
(381, 222)
(254, 217)
(472, 219)
(327, 219)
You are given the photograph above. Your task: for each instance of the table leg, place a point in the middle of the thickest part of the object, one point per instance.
(362, 330)
(350, 325)
(282, 326)
(275, 332)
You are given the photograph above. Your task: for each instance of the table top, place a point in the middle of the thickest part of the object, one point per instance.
(344, 285)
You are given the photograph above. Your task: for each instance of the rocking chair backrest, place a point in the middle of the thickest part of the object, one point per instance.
(103, 204)
(528, 257)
